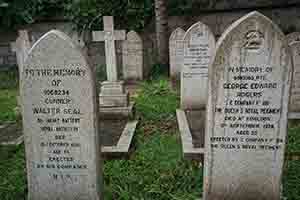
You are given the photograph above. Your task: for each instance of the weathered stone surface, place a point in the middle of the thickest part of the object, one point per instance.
(60, 122)
(109, 35)
(21, 47)
(295, 90)
(246, 125)
(293, 37)
(133, 57)
(199, 45)
(176, 52)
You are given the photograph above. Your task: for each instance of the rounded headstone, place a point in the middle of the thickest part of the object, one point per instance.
(199, 46)
(246, 128)
(60, 121)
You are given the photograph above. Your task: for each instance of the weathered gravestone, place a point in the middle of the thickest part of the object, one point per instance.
(115, 107)
(21, 47)
(60, 122)
(246, 128)
(133, 57)
(199, 45)
(294, 107)
(293, 37)
(112, 91)
(176, 52)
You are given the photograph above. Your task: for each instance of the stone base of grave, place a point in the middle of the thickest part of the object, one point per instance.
(11, 134)
(116, 137)
(191, 125)
(293, 115)
(117, 112)
(113, 94)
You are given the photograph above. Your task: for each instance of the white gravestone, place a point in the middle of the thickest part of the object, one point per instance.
(21, 47)
(109, 35)
(176, 52)
(60, 122)
(199, 45)
(112, 91)
(294, 106)
(133, 57)
(246, 127)
(293, 37)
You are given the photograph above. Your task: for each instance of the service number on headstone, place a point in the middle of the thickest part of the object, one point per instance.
(60, 122)
(247, 112)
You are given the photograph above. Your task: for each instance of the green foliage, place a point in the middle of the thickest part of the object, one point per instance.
(291, 181)
(12, 173)
(85, 14)
(101, 73)
(27, 11)
(8, 95)
(132, 14)
(157, 101)
(158, 70)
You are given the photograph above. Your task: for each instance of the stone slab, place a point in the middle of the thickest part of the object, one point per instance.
(294, 105)
(123, 146)
(188, 148)
(60, 122)
(11, 134)
(117, 112)
(112, 88)
(199, 45)
(176, 52)
(113, 100)
(133, 57)
(246, 129)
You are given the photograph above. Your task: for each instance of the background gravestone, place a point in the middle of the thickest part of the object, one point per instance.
(295, 90)
(293, 37)
(21, 47)
(133, 57)
(176, 52)
(199, 45)
(60, 122)
(246, 125)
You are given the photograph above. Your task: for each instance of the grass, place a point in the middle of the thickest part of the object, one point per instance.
(8, 94)
(156, 169)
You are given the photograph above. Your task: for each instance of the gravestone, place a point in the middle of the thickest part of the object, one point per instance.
(246, 128)
(21, 47)
(60, 122)
(115, 107)
(176, 52)
(199, 45)
(293, 37)
(112, 91)
(133, 57)
(294, 107)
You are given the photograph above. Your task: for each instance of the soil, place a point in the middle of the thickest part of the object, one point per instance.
(111, 130)
(196, 121)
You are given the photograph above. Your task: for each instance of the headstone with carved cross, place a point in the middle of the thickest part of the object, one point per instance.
(112, 91)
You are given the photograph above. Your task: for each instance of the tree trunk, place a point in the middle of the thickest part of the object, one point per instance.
(162, 31)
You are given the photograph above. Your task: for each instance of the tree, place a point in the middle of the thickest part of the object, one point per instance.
(161, 31)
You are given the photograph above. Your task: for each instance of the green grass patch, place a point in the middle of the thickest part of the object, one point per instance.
(12, 173)
(8, 103)
(8, 95)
